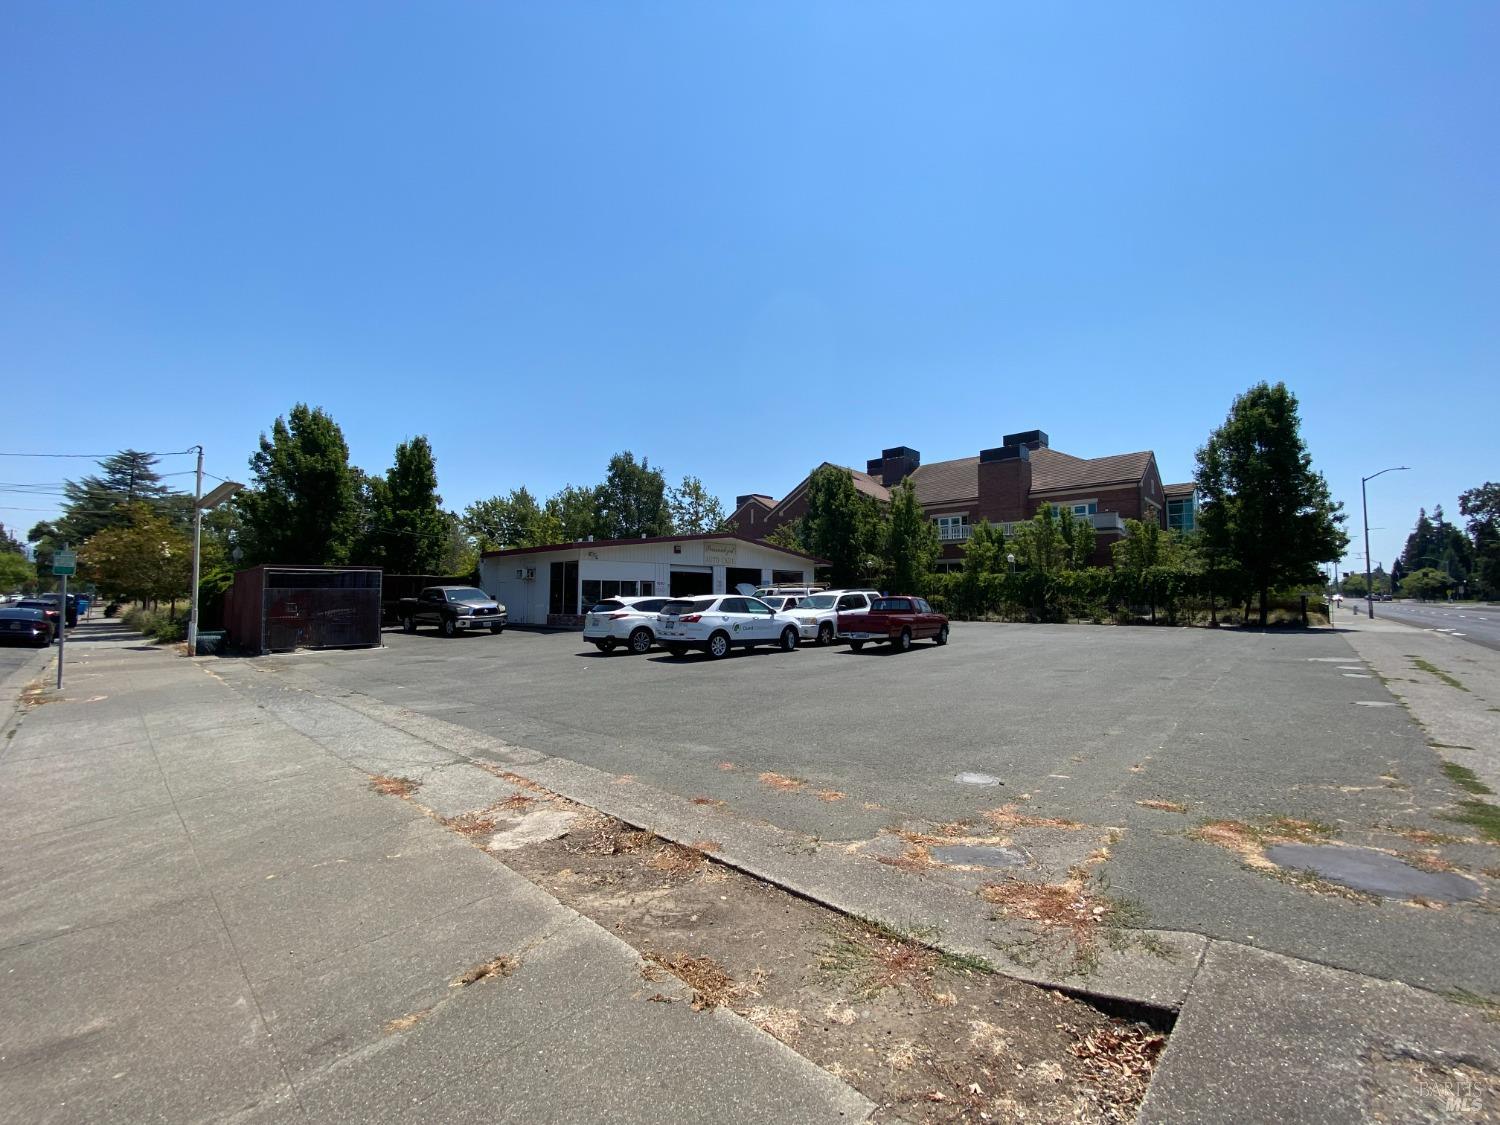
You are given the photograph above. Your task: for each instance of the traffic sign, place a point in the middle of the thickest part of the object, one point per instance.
(64, 562)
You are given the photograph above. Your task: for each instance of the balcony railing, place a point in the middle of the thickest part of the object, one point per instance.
(951, 534)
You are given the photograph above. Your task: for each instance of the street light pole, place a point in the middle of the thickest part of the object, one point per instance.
(197, 558)
(1364, 505)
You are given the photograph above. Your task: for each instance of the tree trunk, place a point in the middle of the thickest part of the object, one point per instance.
(1265, 597)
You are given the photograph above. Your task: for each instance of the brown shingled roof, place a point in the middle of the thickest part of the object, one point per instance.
(1174, 491)
(1051, 471)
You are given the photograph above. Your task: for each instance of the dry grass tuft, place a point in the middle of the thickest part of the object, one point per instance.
(1250, 841)
(1164, 806)
(916, 857)
(989, 1039)
(903, 1055)
(712, 801)
(673, 859)
(472, 824)
(1006, 817)
(712, 986)
(1424, 836)
(873, 960)
(783, 1023)
(728, 766)
(517, 802)
(829, 795)
(406, 1022)
(841, 1014)
(402, 787)
(707, 847)
(781, 782)
(501, 966)
(1428, 861)
(1065, 906)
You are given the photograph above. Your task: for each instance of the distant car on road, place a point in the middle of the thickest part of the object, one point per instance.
(27, 626)
(47, 607)
(717, 623)
(898, 621)
(55, 600)
(452, 609)
(623, 621)
(780, 603)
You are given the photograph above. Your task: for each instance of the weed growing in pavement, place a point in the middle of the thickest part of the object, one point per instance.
(870, 959)
(1433, 670)
(1163, 805)
(394, 786)
(1488, 1006)
(782, 782)
(1478, 814)
(712, 986)
(501, 966)
(1465, 778)
(1007, 817)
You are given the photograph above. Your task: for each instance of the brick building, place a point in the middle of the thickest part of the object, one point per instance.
(1003, 485)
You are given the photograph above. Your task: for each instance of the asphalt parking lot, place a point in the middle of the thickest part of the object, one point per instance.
(1074, 722)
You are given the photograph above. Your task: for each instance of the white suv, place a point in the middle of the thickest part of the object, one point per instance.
(717, 622)
(817, 615)
(623, 621)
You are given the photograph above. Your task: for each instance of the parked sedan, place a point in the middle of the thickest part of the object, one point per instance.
(48, 608)
(30, 626)
(716, 623)
(623, 621)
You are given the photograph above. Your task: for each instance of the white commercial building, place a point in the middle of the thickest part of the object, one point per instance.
(556, 585)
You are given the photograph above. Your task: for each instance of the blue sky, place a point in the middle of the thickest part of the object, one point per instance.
(742, 239)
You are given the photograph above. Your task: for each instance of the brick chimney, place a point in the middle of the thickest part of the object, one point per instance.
(1005, 482)
(894, 465)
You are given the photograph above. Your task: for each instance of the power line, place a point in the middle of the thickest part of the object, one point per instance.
(105, 456)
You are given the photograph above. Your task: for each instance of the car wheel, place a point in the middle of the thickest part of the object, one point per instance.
(856, 645)
(903, 642)
(718, 645)
(640, 641)
(408, 625)
(942, 636)
(825, 634)
(497, 629)
(677, 650)
(788, 639)
(450, 627)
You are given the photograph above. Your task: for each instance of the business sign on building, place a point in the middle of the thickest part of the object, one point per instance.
(719, 554)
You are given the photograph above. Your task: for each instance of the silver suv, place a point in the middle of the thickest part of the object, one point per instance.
(817, 615)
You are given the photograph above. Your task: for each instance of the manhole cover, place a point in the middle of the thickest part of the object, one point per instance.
(980, 855)
(971, 778)
(1365, 869)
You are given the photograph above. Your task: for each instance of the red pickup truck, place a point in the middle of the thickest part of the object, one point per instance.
(896, 620)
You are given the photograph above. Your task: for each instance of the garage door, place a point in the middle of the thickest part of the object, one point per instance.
(687, 582)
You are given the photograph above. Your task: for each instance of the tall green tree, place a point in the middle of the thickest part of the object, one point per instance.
(633, 499)
(911, 542)
(575, 508)
(515, 520)
(694, 510)
(1427, 584)
(842, 525)
(1264, 508)
(1481, 507)
(303, 506)
(411, 527)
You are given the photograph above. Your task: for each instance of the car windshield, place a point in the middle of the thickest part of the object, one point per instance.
(818, 601)
(467, 594)
(678, 608)
(606, 607)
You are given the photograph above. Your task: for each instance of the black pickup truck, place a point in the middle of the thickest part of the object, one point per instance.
(452, 609)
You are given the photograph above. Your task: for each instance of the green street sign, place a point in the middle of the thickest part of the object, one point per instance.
(65, 562)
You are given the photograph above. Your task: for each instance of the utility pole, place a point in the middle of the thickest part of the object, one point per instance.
(1364, 504)
(192, 637)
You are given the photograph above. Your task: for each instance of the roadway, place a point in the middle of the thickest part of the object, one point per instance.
(1479, 624)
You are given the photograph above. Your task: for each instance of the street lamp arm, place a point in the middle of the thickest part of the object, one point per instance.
(1392, 469)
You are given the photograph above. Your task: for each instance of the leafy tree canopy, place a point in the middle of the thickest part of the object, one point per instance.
(843, 526)
(911, 543)
(693, 509)
(632, 500)
(1264, 508)
(303, 506)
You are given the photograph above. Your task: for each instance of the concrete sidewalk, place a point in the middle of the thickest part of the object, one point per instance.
(206, 915)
